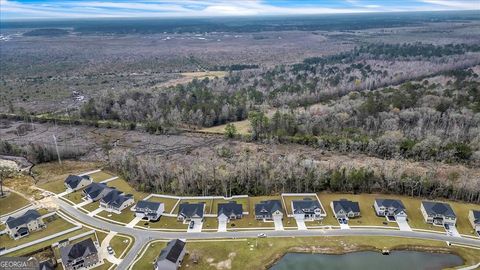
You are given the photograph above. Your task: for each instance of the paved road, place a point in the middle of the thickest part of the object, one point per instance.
(144, 236)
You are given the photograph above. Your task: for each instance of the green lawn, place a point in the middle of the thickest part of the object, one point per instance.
(242, 201)
(169, 203)
(165, 223)
(56, 186)
(210, 223)
(288, 201)
(105, 266)
(289, 222)
(123, 186)
(151, 253)
(119, 243)
(91, 206)
(208, 204)
(75, 197)
(126, 216)
(259, 253)
(11, 202)
(100, 176)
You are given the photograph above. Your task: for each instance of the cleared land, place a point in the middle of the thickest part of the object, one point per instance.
(100, 176)
(11, 203)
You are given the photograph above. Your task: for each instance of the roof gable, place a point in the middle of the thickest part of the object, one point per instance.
(346, 206)
(269, 207)
(172, 251)
(229, 209)
(189, 210)
(28, 216)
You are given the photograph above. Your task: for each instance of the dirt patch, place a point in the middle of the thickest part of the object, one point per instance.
(226, 264)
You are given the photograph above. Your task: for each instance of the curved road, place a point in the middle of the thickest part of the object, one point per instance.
(144, 236)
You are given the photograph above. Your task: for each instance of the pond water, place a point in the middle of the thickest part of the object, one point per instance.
(397, 260)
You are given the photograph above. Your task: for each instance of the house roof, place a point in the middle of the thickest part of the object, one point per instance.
(95, 189)
(397, 204)
(230, 208)
(28, 216)
(306, 205)
(191, 209)
(346, 205)
(152, 206)
(438, 208)
(73, 180)
(476, 216)
(268, 207)
(116, 198)
(46, 265)
(79, 250)
(172, 251)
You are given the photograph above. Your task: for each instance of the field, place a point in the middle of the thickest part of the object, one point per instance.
(100, 176)
(243, 128)
(11, 203)
(168, 203)
(54, 226)
(125, 217)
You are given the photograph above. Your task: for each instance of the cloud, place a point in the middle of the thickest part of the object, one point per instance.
(12, 9)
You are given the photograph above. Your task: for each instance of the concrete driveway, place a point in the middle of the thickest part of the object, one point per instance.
(104, 252)
(278, 223)
(344, 226)
(301, 224)
(403, 225)
(453, 231)
(134, 222)
(222, 225)
(197, 227)
(96, 211)
(82, 204)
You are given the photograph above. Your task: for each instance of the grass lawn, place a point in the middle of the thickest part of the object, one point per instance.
(54, 226)
(249, 220)
(243, 128)
(119, 243)
(126, 216)
(165, 223)
(105, 266)
(210, 223)
(123, 186)
(289, 222)
(100, 176)
(75, 197)
(169, 203)
(288, 202)
(259, 253)
(461, 210)
(151, 253)
(242, 201)
(91, 206)
(12, 202)
(368, 215)
(30, 249)
(208, 204)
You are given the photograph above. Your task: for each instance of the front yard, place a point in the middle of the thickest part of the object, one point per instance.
(125, 216)
(164, 223)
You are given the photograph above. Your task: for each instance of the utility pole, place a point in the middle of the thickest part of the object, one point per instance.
(56, 148)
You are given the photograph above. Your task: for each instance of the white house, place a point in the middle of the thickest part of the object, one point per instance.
(18, 227)
(115, 201)
(393, 210)
(307, 209)
(438, 213)
(75, 182)
(149, 210)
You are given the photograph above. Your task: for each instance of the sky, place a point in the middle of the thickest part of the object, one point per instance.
(64, 9)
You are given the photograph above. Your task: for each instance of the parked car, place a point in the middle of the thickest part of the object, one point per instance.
(261, 235)
(192, 224)
(447, 227)
(110, 250)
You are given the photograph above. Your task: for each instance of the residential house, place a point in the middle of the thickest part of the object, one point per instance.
(191, 211)
(116, 201)
(81, 255)
(96, 191)
(391, 209)
(438, 213)
(229, 211)
(75, 182)
(474, 217)
(307, 209)
(18, 227)
(46, 265)
(269, 210)
(149, 210)
(345, 209)
(171, 256)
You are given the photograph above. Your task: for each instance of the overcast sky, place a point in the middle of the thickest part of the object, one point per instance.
(57, 9)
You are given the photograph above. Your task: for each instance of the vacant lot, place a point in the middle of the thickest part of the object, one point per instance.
(11, 203)
(125, 216)
(100, 176)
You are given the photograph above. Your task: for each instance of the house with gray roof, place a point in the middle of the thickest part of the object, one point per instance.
(116, 201)
(149, 210)
(20, 226)
(75, 182)
(268, 210)
(229, 211)
(96, 191)
(191, 211)
(345, 209)
(438, 213)
(171, 256)
(307, 209)
(81, 255)
(391, 209)
(474, 217)
(46, 265)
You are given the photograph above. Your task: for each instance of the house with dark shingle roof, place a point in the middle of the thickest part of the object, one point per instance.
(229, 211)
(307, 209)
(116, 201)
(171, 256)
(474, 217)
(392, 209)
(81, 255)
(18, 227)
(268, 210)
(96, 191)
(149, 210)
(75, 182)
(191, 211)
(438, 213)
(345, 209)
(46, 265)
